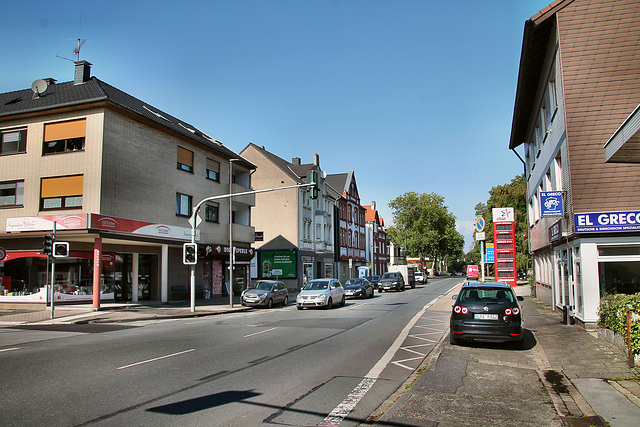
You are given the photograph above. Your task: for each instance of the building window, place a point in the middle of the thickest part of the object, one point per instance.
(13, 141)
(183, 205)
(213, 170)
(211, 213)
(63, 192)
(11, 193)
(185, 159)
(64, 136)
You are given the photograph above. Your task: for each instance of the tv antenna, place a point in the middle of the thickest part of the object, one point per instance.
(76, 51)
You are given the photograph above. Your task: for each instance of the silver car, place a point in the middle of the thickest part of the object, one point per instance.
(265, 293)
(321, 293)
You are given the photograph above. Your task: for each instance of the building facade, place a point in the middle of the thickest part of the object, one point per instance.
(377, 242)
(119, 179)
(577, 84)
(350, 228)
(296, 238)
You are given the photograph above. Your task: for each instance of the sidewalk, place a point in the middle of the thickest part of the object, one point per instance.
(586, 380)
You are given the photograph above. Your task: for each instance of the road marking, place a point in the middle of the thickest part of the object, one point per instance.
(342, 410)
(9, 349)
(258, 333)
(157, 358)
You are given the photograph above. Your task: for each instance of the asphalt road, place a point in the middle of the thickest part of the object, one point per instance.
(280, 366)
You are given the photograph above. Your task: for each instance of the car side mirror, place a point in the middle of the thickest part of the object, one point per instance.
(520, 298)
(454, 297)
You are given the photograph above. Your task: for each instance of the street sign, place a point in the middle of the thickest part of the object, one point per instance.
(480, 236)
(480, 224)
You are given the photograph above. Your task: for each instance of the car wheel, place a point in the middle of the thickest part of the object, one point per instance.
(452, 339)
(364, 294)
(270, 303)
(329, 303)
(519, 345)
(300, 307)
(285, 301)
(343, 301)
(379, 291)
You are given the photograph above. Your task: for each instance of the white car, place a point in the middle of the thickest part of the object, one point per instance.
(321, 293)
(420, 277)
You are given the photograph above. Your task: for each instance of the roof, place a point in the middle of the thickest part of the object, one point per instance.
(535, 41)
(482, 284)
(70, 94)
(298, 173)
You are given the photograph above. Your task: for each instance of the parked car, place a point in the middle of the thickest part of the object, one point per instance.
(265, 293)
(472, 272)
(321, 293)
(374, 281)
(486, 311)
(420, 277)
(391, 280)
(358, 288)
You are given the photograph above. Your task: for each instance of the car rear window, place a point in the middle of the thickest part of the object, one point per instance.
(486, 295)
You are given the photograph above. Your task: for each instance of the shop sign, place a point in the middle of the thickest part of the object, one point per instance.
(555, 231)
(277, 261)
(607, 221)
(3, 254)
(503, 215)
(45, 223)
(551, 203)
(111, 223)
(489, 256)
(259, 236)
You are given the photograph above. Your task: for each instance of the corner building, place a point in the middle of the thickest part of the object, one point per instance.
(120, 179)
(577, 86)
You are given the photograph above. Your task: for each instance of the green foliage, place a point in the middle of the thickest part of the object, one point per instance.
(613, 316)
(512, 195)
(425, 227)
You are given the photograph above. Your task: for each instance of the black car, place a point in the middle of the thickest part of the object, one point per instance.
(391, 281)
(374, 281)
(487, 311)
(358, 288)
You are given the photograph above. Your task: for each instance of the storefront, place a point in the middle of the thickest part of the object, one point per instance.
(215, 272)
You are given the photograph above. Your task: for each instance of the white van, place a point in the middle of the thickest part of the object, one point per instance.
(407, 273)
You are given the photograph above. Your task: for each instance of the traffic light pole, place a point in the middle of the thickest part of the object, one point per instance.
(53, 272)
(194, 225)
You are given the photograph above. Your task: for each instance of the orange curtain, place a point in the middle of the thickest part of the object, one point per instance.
(65, 130)
(61, 186)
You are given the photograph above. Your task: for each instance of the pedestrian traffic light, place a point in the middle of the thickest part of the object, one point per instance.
(49, 240)
(60, 249)
(313, 189)
(190, 253)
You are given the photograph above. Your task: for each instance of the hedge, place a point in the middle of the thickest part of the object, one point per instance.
(613, 316)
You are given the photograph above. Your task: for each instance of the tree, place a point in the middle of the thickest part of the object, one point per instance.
(425, 227)
(511, 195)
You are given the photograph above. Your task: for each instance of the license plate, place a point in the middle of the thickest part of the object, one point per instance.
(349, 293)
(483, 316)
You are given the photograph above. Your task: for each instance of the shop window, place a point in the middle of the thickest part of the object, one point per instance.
(211, 213)
(64, 136)
(13, 141)
(213, 170)
(11, 193)
(185, 159)
(621, 277)
(183, 205)
(618, 250)
(64, 192)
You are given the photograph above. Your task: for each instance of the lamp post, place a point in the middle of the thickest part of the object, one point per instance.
(231, 251)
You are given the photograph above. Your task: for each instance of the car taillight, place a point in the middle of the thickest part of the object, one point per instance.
(459, 309)
(465, 310)
(515, 311)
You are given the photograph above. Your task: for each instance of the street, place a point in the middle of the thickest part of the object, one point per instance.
(279, 366)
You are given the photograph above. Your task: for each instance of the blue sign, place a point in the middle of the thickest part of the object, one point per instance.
(607, 221)
(551, 203)
(489, 256)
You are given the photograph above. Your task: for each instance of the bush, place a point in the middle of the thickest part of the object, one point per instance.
(613, 316)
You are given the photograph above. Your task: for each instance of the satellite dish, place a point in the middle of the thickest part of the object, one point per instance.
(39, 87)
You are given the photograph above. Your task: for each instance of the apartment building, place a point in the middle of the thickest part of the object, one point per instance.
(578, 89)
(119, 179)
(296, 237)
(377, 242)
(350, 230)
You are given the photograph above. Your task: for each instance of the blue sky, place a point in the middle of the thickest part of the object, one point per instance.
(412, 95)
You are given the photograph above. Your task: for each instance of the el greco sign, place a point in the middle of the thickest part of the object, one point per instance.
(602, 222)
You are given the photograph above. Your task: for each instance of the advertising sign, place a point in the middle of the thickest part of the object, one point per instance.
(606, 222)
(489, 256)
(551, 203)
(279, 264)
(503, 215)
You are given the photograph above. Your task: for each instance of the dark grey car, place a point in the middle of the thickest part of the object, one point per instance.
(265, 293)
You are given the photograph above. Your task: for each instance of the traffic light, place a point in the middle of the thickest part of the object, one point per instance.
(49, 240)
(60, 249)
(313, 189)
(190, 253)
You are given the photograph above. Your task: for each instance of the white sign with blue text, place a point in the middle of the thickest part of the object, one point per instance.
(607, 221)
(551, 203)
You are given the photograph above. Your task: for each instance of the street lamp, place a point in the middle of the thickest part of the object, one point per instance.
(231, 251)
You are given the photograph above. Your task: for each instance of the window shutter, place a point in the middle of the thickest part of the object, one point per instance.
(65, 130)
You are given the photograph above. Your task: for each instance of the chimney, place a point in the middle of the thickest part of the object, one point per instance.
(296, 161)
(316, 159)
(373, 206)
(83, 72)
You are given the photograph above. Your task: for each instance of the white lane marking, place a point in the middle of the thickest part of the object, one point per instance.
(157, 358)
(9, 349)
(400, 362)
(342, 410)
(258, 333)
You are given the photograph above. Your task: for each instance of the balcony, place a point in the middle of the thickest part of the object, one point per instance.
(243, 233)
(249, 199)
